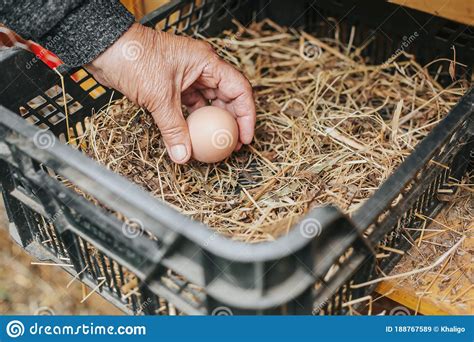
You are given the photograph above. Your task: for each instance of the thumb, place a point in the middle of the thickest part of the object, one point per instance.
(174, 131)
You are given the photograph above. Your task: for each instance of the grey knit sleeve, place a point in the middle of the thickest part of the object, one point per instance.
(75, 30)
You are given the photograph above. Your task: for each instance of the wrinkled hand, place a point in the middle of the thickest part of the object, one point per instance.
(160, 71)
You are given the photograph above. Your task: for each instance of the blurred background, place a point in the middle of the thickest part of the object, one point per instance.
(28, 289)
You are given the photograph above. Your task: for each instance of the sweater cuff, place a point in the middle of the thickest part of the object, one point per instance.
(88, 31)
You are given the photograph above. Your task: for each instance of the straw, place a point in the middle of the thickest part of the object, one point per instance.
(453, 236)
(330, 129)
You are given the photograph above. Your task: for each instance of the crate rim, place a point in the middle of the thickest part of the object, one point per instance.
(78, 168)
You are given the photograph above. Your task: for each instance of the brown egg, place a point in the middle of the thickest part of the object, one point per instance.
(214, 134)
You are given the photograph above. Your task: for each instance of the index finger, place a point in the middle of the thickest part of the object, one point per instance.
(234, 93)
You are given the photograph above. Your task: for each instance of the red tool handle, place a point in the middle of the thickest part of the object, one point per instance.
(49, 58)
(9, 38)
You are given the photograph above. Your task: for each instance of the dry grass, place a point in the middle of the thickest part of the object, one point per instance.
(330, 129)
(452, 282)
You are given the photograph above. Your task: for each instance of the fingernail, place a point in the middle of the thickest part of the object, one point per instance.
(238, 146)
(178, 152)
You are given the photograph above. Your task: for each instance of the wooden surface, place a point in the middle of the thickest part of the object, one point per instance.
(141, 7)
(458, 10)
(435, 299)
(431, 303)
(448, 288)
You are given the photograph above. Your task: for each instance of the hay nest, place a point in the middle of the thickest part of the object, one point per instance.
(330, 129)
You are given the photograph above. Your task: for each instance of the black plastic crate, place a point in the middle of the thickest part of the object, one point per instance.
(189, 267)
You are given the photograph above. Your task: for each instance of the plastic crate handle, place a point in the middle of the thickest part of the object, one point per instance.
(10, 39)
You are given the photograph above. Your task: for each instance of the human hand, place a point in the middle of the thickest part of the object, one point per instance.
(160, 71)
